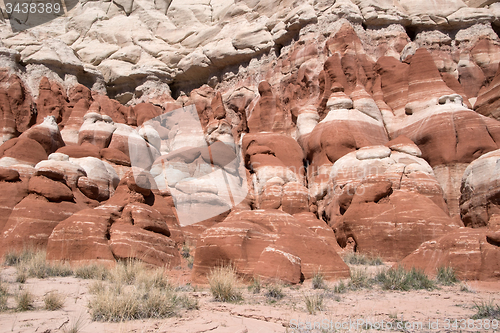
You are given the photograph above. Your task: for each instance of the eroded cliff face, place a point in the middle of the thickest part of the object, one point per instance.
(336, 125)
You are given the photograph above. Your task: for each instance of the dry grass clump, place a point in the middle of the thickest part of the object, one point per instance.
(24, 300)
(359, 279)
(313, 303)
(256, 285)
(361, 259)
(223, 284)
(275, 291)
(401, 279)
(486, 310)
(3, 296)
(31, 263)
(53, 301)
(92, 272)
(318, 281)
(135, 292)
(75, 325)
(446, 276)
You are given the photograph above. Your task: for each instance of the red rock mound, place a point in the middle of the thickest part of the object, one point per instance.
(473, 253)
(269, 244)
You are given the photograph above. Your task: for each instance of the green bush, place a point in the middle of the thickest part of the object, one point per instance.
(4, 295)
(318, 281)
(486, 310)
(359, 279)
(275, 291)
(361, 259)
(256, 286)
(401, 279)
(340, 287)
(446, 276)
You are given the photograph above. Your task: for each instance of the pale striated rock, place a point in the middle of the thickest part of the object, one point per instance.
(96, 129)
(488, 99)
(478, 191)
(101, 174)
(381, 203)
(47, 134)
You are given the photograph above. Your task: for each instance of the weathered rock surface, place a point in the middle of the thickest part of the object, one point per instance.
(473, 253)
(478, 202)
(267, 243)
(124, 123)
(386, 201)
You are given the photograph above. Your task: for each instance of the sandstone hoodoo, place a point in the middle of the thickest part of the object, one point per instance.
(271, 135)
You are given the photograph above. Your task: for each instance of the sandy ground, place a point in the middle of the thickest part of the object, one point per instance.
(258, 313)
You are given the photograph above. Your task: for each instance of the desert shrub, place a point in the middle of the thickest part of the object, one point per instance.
(135, 292)
(13, 258)
(275, 291)
(4, 295)
(150, 279)
(361, 259)
(75, 325)
(223, 284)
(256, 285)
(318, 281)
(53, 301)
(340, 287)
(34, 264)
(125, 272)
(464, 286)
(24, 300)
(187, 302)
(21, 274)
(486, 310)
(131, 303)
(446, 276)
(401, 279)
(359, 279)
(313, 303)
(92, 271)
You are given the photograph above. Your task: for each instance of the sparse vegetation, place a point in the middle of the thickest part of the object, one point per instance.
(53, 301)
(318, 281)
(359, 279)
(13, 258)
(401, 279)
(3, 296)
(75, 325)
(340, 287)
(446, 276)
(486, 310)
(187, 303)
(24, 300)
(223, 281)
(29, 263)
(135, 292)
(275, 291)
(256, 286)
(361, 259)
(464, 286)
(313, 303)
(93, 271)
(186, 253)
(125, 272)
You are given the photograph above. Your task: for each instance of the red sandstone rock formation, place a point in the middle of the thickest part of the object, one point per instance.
(473, 253)
(269, 244)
